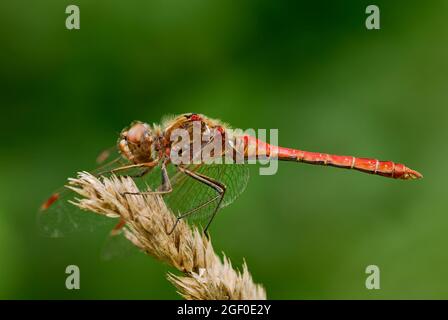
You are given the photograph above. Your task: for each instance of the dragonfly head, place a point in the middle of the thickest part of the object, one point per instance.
(136, 143)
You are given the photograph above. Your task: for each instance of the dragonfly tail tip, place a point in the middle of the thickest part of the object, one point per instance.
(412, 174)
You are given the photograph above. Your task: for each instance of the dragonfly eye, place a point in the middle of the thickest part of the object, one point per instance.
(137, 133)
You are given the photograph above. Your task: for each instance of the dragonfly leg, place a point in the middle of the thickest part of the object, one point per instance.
(216, 185)
(189, 212)
(138, 165)
(164, 188)
(141, 174)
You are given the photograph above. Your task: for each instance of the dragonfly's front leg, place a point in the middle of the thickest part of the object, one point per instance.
(140, 174)
(148, 165)
(216, 185)
(163, 189)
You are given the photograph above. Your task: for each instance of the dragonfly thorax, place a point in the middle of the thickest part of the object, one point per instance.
(137, 143)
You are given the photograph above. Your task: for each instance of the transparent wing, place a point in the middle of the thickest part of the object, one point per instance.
(57, 217)
(189, 193)
(62, 218)
(117, 246)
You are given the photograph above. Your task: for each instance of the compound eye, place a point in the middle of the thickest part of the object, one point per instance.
(136, 134)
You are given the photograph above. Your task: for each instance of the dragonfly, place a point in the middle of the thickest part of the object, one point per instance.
(195, 188)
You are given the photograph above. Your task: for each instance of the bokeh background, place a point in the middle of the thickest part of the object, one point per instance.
(307, 68)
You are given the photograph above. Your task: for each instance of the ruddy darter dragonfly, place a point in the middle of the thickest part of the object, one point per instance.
(193, 189)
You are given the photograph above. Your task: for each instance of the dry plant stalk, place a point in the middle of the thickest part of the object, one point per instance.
(205, 276)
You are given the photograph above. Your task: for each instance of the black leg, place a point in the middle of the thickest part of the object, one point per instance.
(219, 187)
(141, 174)
(148, 165)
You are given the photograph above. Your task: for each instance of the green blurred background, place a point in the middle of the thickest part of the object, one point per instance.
(308, 68)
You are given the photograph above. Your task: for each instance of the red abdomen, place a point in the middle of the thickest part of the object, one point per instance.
(390, 169)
